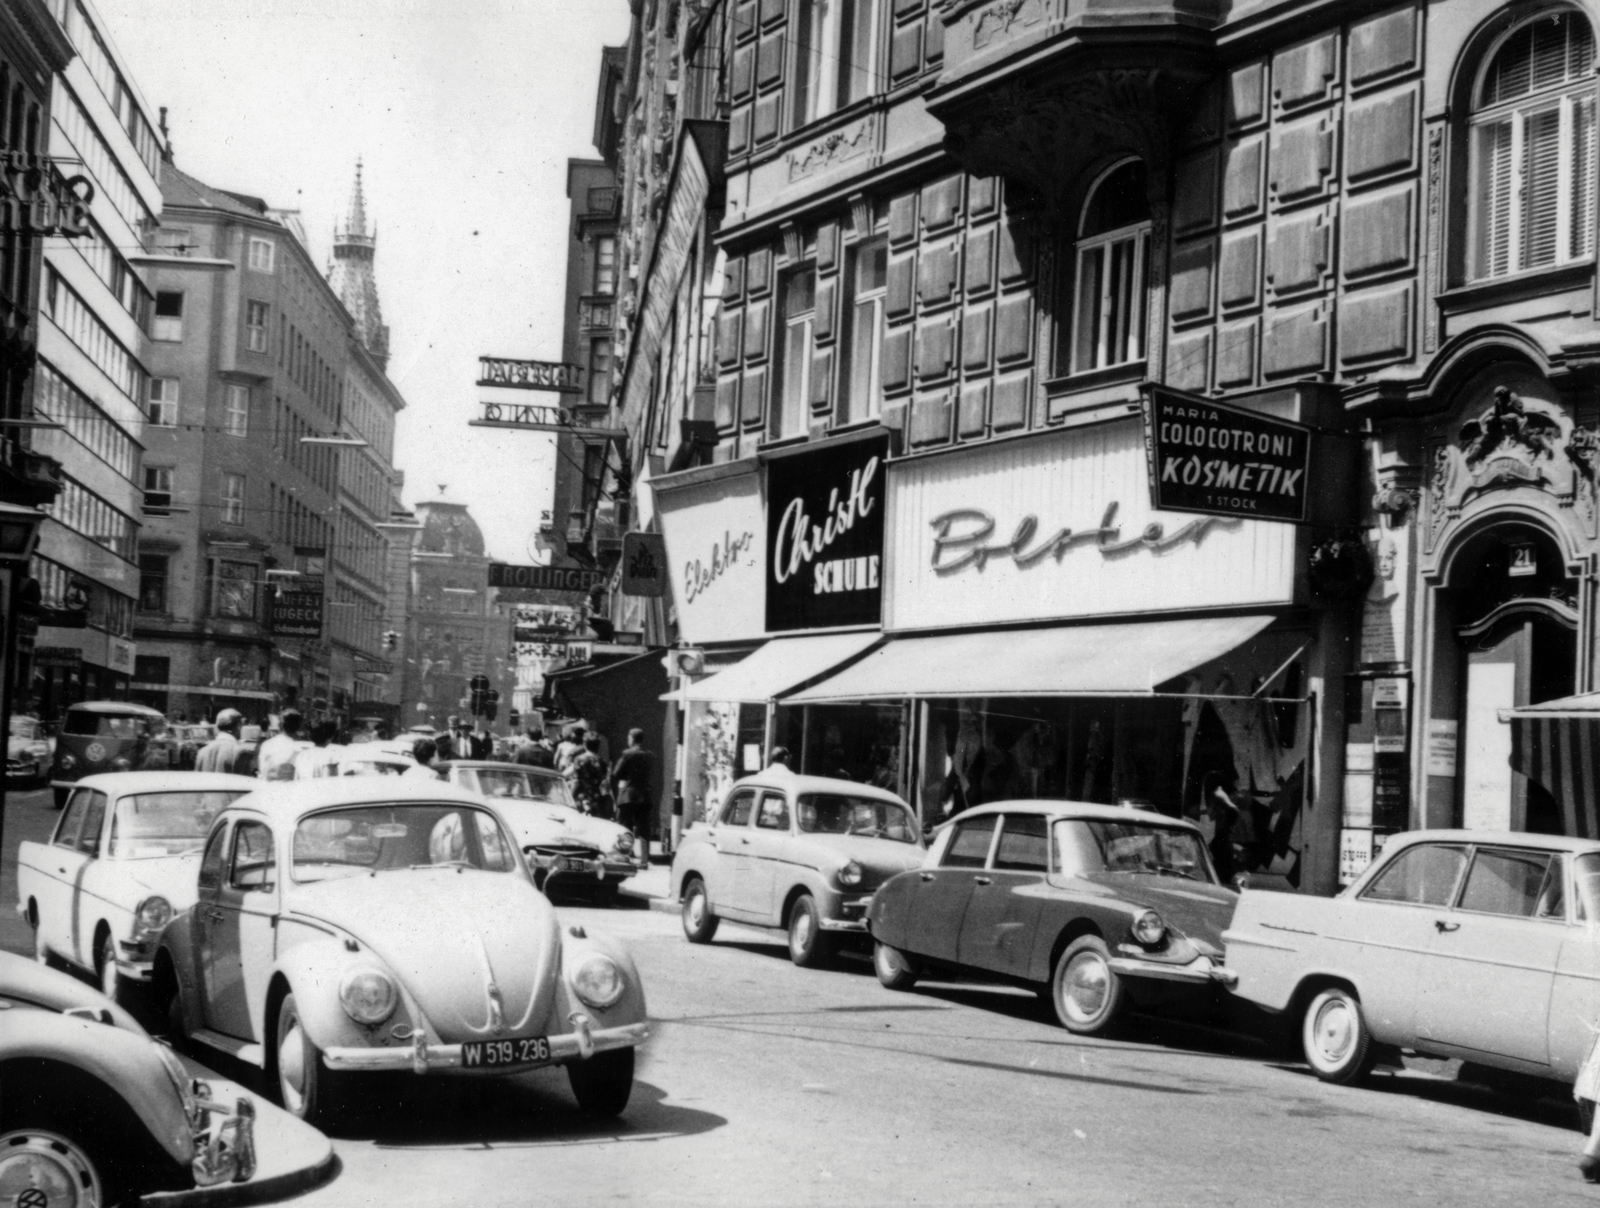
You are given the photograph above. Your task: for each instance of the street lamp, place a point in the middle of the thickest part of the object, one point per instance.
(19, 533)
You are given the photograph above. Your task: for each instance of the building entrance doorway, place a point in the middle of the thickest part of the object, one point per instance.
(1515, 621)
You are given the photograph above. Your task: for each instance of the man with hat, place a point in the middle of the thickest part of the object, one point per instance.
(223, 751)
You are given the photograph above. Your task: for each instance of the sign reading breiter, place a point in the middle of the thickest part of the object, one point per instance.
(1224, 461)
(825, 536)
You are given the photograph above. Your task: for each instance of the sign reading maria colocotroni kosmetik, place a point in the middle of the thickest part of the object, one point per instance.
(825, 536)
(1224, 461)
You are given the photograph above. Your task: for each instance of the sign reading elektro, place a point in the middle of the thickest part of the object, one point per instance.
(1224, 461)
(825, 535)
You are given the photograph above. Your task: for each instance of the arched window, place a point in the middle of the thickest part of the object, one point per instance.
(1533, 148)
(1109, 285)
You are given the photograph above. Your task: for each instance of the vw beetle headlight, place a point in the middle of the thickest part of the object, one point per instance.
(368, 995)
(1149, 928)
(850, 874)
(152, 915)
(598, 981)
(121, 764)
(625, 842)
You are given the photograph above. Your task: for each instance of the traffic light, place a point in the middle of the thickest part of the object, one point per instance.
(391, 639)
(479, 699)
(514, 718)
(491, 703)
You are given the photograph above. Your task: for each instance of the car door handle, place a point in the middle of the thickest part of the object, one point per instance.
(983, 880)
(1444, 926)
(746, 842)
(925, 876)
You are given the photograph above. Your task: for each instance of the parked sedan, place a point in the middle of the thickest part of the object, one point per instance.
(566, 847)
(1470, 944)
(120, 863)
(799, 852)
(1093, 906)
(351, 925)
(93, 1111)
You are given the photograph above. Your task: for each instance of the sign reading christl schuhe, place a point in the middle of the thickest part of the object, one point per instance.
(825, 536)
(1224, 461)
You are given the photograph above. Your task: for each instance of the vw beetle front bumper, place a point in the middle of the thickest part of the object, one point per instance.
(583, 1042)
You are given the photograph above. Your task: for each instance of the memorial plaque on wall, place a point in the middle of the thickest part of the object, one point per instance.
(825, 536)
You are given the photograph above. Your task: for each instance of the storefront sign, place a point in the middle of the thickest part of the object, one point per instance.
(547, 578)
(1225, 461)
(57, 656)
(1058, 527)
(644, 565)
(1390, 693)
(825, 512)
(295, 613)
(529, 375)
(716, 538)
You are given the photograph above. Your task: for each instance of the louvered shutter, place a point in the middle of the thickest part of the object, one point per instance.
(1494, 198)
(1583, 170)
(1541, 186)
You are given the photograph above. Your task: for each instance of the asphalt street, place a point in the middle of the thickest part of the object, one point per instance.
(767, 1084)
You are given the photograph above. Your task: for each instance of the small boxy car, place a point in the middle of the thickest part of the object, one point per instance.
(119, 864)
(349, 925)
(101, 736)
(1471, 944)
(799, 852)
(29, 747)
(1094, 906)
(565, 847)
(93, 1111)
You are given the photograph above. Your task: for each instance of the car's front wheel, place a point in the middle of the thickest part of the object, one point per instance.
(893, 967)
(1085, 992)
(1337, 1042)
(809, 945)
(105, 967)
(50, 1168)
(699, 923)
(603, 1084)
(306, 1087)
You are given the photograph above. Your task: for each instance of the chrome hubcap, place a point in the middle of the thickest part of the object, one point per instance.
(292, 1065)
(108, 971)
(802, 930)
(1333, 1031)
(696, 908)
(44, 1170)
(1087, 982)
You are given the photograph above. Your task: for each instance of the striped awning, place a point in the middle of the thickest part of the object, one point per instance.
(1558, 745)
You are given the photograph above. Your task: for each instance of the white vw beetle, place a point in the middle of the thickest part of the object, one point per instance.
(354, 924)
(120, 863)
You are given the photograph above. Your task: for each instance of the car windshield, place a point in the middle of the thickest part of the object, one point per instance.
(380, 838)
(524, 786)
(1085, 846)
(173, 823)
(109, 725)
(839, 814)
(373, 767)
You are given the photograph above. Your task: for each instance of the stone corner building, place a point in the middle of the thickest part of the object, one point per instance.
(974, 235)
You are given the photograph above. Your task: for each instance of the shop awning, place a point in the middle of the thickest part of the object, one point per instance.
(780, 666)
(1557, 744)
(1080, 660)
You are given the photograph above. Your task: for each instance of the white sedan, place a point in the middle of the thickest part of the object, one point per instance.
(1471, 944)
(119, 865)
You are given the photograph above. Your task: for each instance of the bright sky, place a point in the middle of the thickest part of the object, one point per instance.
(464, 113)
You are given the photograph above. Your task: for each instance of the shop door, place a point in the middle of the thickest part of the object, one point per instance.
(1496, 680)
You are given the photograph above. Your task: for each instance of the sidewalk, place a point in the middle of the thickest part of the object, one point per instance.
(291, 1156)
(653, 886)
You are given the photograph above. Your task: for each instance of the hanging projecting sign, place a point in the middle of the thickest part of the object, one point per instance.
(644, 565)
(825, 536)
(716, 551)
(1224, 461)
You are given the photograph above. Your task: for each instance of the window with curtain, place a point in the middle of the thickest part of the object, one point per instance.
(866, 275)
(238, 413)
(792, 375)
(1108, 324)
(1533, 147)
(835, 56)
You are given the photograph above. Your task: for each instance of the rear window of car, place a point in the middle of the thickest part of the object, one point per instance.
(969, 846)
(842, 814)
(1024, 844)
(1424, 875)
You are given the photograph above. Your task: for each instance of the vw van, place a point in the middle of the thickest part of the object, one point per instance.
(103, 736)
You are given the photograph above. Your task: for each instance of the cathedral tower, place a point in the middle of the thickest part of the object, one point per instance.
(351, 276)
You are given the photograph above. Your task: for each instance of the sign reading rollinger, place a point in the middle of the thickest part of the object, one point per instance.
(1224, 461)
(825, 536)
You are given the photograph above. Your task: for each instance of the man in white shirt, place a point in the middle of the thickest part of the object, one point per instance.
(321, 758)
(275, 759)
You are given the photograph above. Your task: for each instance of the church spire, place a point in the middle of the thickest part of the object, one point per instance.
(351, 274)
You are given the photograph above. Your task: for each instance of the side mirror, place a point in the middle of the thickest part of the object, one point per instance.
(1240, 882)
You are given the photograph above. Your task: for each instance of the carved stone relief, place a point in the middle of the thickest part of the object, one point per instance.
(835, 147)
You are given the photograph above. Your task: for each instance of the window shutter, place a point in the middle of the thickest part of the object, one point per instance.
(1583, 169)
(1541, 183)
(1494, 198)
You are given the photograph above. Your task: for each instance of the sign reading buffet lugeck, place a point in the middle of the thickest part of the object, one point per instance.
(825, 536)
(1224, 461)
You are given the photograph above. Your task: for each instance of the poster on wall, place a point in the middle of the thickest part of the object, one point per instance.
(825, 536)
(716, 542)
(1383, 612)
